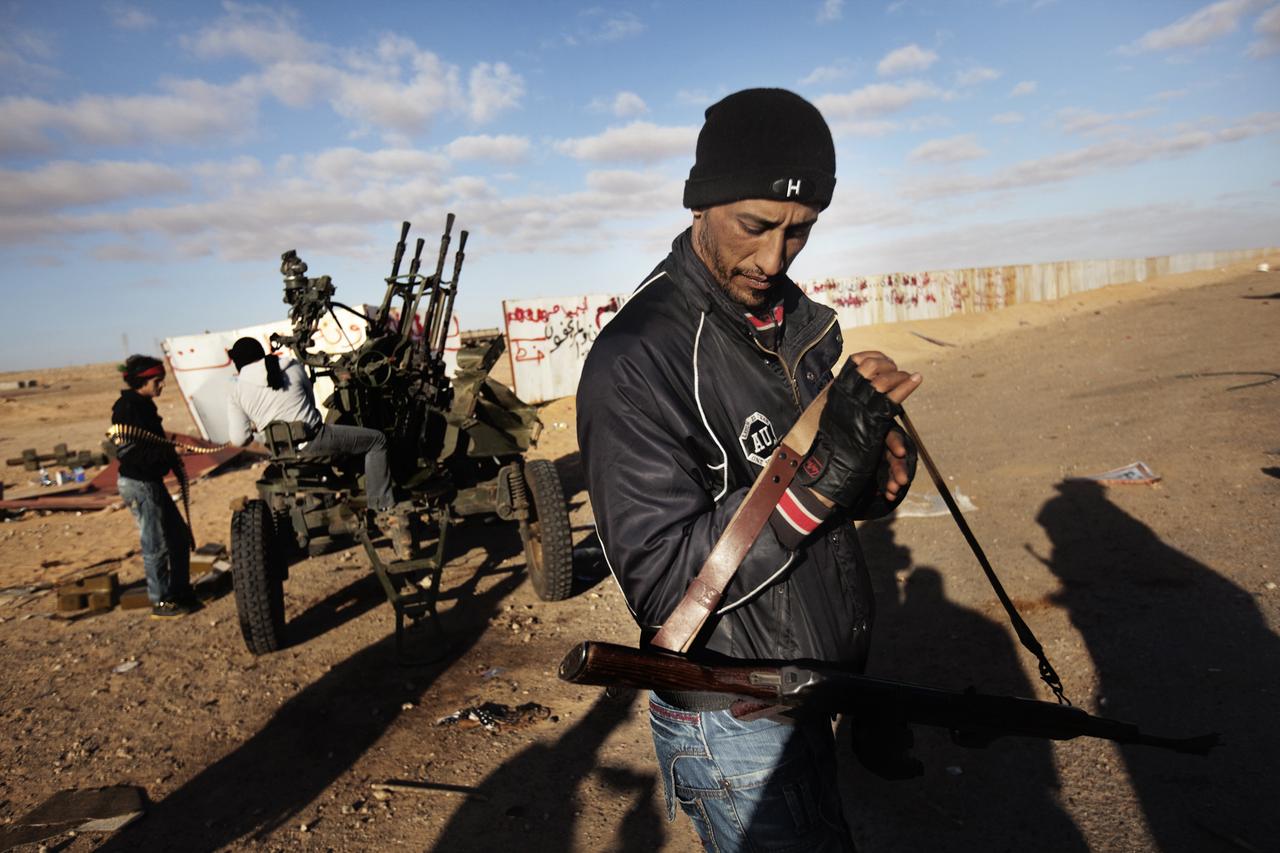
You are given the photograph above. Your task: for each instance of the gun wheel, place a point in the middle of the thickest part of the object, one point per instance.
(548, 545)
(257, 573)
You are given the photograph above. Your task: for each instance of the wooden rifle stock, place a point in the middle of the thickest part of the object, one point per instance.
(974, 719)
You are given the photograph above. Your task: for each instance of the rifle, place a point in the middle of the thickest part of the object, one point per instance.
(973, 719)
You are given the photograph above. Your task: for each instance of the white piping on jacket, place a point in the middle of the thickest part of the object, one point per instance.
(697, 396)
(614, 574)
(603, 552)
(757, 590)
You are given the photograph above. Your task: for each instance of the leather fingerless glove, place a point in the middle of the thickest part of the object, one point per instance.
(849, 447)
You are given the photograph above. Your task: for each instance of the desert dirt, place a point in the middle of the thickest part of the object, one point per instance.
(1156, 603)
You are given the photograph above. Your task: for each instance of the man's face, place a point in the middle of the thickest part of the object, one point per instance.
(748, 245)
(153, 387)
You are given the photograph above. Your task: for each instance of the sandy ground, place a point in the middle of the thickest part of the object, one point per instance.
(1156, 604)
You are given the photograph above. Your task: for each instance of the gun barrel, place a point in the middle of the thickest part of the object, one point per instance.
(447, 314)
(610, 664)
(975, 719)
(400, 247)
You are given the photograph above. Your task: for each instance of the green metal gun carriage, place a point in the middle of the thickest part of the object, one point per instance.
(455, 445)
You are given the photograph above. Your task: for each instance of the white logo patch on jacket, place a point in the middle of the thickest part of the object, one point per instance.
(757, 438)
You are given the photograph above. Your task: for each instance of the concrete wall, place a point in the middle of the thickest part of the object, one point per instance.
(548, 339)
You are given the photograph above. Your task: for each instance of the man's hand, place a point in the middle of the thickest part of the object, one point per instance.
(852, 441)
(897, 385)
(880, 370)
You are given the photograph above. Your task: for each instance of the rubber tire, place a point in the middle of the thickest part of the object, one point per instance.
(552, 571)
(257, 578)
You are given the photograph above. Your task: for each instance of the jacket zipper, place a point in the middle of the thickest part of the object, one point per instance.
(795, 392)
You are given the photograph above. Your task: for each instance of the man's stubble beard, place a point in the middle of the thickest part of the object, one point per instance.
(709, 251)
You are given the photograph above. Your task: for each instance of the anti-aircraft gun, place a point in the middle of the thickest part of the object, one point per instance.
(456, 449)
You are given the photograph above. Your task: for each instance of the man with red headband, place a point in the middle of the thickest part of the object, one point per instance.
(143, 466)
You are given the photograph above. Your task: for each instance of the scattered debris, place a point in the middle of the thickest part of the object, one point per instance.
(930, 505)
(1134, 472)
(406, 786)
(492, 672)
(128, 665)
(493, 715)
(933, 341)
(1273, 377)
(100, 491)
(204, 557)
(72, 810)
(31, 460)
(95, 593)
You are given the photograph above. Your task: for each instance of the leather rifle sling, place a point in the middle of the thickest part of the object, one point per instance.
(706, 590)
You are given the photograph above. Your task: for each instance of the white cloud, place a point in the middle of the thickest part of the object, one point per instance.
(1115, 232)
(951, 150)
(493, 88)
(905, 60)
(1099, 157)
(64, 184)
(1267, 26)
(1195, 30)
(602, 26)
(383, 167)
(1026, 87)
(1007, 118)
(976, 76)
(875, 100)
(264, 35)
(640, 141)
(623, 105)
(830, 10)
(1170, 94)
(395, 87)
(826, 74)
(504, 149)
(1075, 120)
(25, 57)
(129, 17)
(194, 112)
(872, 128)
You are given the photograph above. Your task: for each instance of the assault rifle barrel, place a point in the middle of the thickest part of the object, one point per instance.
(974, 719)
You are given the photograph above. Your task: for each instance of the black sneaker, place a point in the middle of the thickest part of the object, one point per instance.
(172, 610)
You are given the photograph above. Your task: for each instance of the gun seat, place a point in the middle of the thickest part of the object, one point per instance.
(282, 438)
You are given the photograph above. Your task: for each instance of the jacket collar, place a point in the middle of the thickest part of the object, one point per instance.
(704, 294)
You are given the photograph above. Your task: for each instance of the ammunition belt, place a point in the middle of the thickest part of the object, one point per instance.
(121, 433)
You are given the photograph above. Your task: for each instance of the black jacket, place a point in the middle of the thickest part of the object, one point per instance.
(678, 408)
(142, 460)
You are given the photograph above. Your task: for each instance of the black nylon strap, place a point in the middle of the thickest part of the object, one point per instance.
(1025, 635)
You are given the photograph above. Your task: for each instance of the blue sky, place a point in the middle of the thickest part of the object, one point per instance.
(156, 158)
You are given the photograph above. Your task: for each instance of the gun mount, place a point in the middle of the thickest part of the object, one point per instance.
(456, 449)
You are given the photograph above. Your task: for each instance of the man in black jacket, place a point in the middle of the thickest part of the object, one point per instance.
(682, 399)
(145, 458)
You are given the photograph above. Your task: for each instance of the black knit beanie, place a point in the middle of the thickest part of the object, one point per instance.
(246, 351)
(762, 143)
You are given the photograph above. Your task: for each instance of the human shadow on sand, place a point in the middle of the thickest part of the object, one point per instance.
(1183, 651)
(1003, 797)
(314, 737)
(535, 798)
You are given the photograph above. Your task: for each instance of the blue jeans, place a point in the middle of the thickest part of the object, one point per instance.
(335, 439)
(761, 785)
(166, 553)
